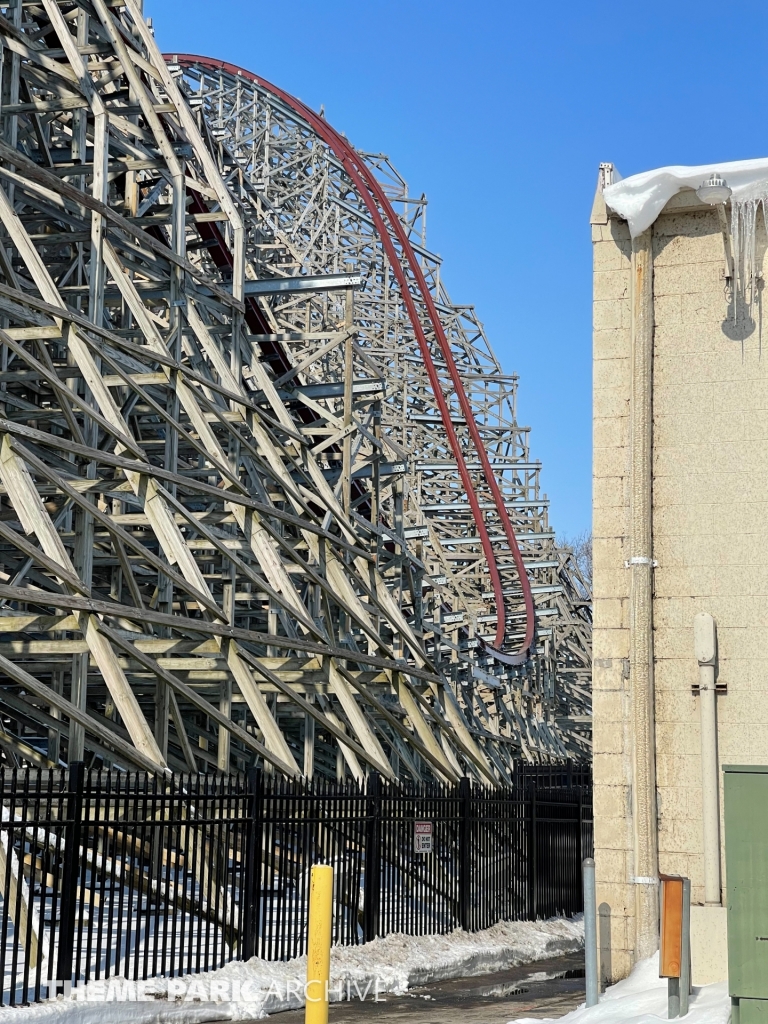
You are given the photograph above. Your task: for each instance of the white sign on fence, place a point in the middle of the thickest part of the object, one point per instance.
(422, 836)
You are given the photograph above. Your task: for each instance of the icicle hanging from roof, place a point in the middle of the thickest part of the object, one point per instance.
(744, 217)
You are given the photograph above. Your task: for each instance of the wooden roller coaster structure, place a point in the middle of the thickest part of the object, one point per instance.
(263, 493)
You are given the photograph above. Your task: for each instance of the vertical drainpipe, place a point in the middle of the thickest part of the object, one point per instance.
(641, 602)
(705, 647)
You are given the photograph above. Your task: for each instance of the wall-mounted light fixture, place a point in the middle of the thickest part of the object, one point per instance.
(714, 190)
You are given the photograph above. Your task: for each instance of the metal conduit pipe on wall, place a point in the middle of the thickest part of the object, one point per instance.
(644, 816)
(705, 646)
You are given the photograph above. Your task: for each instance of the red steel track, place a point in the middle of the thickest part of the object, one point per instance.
(379, 207)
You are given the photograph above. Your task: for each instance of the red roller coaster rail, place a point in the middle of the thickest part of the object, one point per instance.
(379, 207)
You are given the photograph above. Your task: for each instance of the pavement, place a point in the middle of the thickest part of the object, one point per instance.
(547, 988)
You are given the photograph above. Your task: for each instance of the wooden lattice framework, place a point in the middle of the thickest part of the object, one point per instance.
(231, 523)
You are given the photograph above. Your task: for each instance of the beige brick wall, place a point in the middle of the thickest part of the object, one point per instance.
(710, 530)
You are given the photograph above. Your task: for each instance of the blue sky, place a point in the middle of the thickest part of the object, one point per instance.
(501, 113)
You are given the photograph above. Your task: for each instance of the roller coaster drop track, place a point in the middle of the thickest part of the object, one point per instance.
(264, 494)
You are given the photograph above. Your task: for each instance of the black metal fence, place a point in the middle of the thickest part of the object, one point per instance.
(113, 874)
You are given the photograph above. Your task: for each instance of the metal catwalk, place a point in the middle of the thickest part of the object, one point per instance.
(264, 494)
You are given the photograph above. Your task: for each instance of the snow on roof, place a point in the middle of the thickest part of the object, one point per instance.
(640, 198)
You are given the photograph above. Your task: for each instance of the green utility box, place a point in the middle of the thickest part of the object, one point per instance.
(746, 865)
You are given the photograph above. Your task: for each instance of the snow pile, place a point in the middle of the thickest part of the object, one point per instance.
(640, 198)
(247, 991)
(642, 999)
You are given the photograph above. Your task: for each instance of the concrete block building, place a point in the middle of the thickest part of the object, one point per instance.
(680, 527)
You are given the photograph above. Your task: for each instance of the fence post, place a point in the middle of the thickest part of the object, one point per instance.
(372, 881)
(252, 866)
(70, 873)
(465, 874)
(533, 866)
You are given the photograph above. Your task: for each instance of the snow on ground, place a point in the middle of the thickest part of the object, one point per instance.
(248, 991)
(642, 999)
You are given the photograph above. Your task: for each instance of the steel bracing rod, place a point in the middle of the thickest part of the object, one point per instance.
(376, 200)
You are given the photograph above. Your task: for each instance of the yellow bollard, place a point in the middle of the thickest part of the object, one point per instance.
(319, 943)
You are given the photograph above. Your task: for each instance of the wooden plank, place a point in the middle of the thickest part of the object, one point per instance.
(35, 519)
(110, 739)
